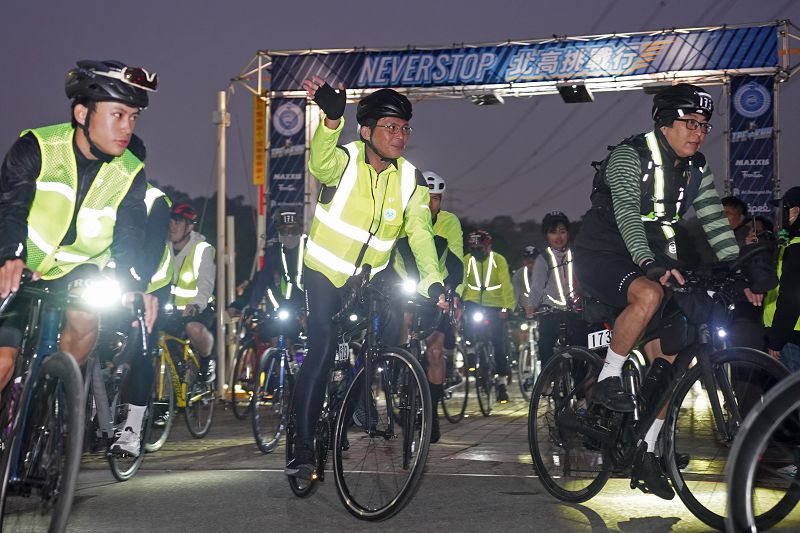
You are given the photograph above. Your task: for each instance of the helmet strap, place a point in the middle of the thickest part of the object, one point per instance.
(93, 148)
(372, 146)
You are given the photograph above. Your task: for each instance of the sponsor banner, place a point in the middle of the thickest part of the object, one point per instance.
(752, 145)
(286, 160)
(509, 63)
(259, 141)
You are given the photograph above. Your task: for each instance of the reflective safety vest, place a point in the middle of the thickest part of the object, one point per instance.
(287, 283)
(53, 205)
(771, 300)
(490, 287)
(185, 289)
(561, 301)
(163, 275)
(343, 235)
(526, 279)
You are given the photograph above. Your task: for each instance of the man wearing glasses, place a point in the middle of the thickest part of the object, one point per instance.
(369, 194)
(626, 251)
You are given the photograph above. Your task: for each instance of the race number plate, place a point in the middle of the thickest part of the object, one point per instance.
(599, 339)
(343, 352)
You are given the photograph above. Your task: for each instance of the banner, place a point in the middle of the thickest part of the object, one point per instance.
(752, 141)
(552, 60)
(286, 160)
(259, 141)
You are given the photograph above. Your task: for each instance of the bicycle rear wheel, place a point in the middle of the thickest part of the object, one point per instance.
(571, 465)
(378, 469)
(764, 461)
(485, 388)
(303, 488)
(40, 497)
(162, 406)
(270, 402)
(742, 376)
(124, 467)
(200, 399)
(243, 379)
(456, 389)
(526, 372)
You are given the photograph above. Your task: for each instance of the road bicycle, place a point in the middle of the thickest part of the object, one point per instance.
(250, 348)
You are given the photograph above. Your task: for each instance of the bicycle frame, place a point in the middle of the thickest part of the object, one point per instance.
(178, 383)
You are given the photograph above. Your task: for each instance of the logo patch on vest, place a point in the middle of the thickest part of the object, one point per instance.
(390, 214)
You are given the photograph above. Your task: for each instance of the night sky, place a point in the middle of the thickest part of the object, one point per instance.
(542, 144)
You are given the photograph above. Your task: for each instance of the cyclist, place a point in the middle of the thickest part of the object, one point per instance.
(626, 253)
(449, 241)
(193, 280)
(736, 211)
(554, 287)
(155, 264)
(522, 277)
(369, 194)
(72, 199)
(782, 304)
(487, 287)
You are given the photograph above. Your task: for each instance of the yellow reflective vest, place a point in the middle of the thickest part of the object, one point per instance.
(185, 288)
(163, 275)
(361, 213)
(54, 205)
(488, 282)
(771, 300)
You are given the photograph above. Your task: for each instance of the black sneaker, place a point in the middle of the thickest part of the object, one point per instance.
(648, 475)
(681, 461)
(302, 465)
(208, 370)
(436, 434)
(502, 393)
(609, 393)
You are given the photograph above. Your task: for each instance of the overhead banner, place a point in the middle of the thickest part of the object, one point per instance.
(287, 140)
(552, 60)
(752, 141)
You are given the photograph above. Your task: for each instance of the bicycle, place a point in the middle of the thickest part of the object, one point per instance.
(177, 385)
(528, 365)
(243, 377)
(576, 445)
(377, 464)
(42, 420)
(764, 461)
(455, 394)
(274, 380)
(105, 387)
(480, 361)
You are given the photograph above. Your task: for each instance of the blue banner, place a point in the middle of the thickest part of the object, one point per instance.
(287, 153)
(752, 141)
(510, 63)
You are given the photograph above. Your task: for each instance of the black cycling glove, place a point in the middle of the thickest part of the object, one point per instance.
(330, 101)
(653, 270)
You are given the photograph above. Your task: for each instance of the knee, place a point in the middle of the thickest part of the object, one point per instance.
(80, 323)
(647, 296)
(7, 357)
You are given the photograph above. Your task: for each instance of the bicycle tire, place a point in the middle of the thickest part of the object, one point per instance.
(485, 388)
(124, 467)
(162, 406)
(302, 488)
(555, 449)
(762, 432)
(57, 392)
(453, 404)
(362, 481)
(691, 484)
(268, 412)
(243, 376)
(200, 400)
(526, 372)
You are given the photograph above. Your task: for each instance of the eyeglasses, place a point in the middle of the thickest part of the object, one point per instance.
(136, 76)
(692, 124)
(394, 129)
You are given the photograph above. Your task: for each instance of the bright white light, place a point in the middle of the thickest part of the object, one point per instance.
(477, 316)
(353, 317)
(722, 333)
(409, 286)
(102, 293)
(524, 326)
(283, 314)
(169, 308)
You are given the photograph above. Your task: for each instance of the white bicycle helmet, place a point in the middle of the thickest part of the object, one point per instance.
(435, 182)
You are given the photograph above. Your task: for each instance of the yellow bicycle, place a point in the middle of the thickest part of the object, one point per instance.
(177, 385)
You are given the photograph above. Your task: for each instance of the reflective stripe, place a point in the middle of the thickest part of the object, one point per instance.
(330, 259)
(300, 255)
(473, 266)
(198, 258)
(408, 177)
(71, 258)
(184, 293)
(348, 230)
(39, 241)
(554, 266)
(659, 209)
(527, 283)
(57, 187)
(272, 299)
(162, 270)
(151, 196)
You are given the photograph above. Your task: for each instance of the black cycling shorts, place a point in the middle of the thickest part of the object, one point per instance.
(606, 276)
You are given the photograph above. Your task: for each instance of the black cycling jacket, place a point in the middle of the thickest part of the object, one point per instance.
(18, 186)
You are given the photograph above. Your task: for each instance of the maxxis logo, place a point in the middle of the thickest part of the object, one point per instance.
(752, 100)
(288, 119)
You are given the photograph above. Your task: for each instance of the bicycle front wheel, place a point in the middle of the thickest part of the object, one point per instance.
(40, 495)
(571, 463)
(244, 379)
(124, 467)
(162, 406)
(741, 377)
(270, 401)
(456, 389)
(485, 388)
(200, 399)
(526, 372)
(382, 437)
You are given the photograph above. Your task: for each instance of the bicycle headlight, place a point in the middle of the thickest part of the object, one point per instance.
(477, 316)
(102, 293)
(168, 308)
(283, 314)
(353, 317)
(721, 333)
(524, 326)
(409, 286)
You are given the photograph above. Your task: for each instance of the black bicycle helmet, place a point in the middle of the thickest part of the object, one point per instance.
(529, 251)
(553, 219)
(382, 103)
(679, 100)
(103, 81)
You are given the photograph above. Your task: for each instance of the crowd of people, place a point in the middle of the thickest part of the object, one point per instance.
(75, 202)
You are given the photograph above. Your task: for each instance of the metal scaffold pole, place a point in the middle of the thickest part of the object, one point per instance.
(222, 119)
